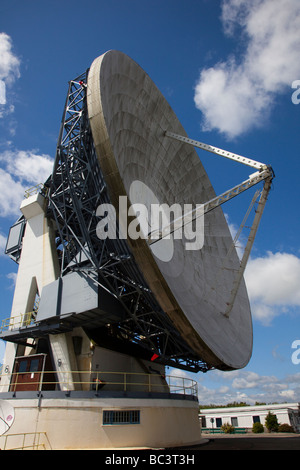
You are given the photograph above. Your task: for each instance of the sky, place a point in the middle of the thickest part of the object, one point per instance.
(230, 70)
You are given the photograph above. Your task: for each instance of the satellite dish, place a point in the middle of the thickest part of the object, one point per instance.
(7, 416)
(129, 118)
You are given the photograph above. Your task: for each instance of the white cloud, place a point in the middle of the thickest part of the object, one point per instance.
(11, 195)
(237, 94)
(249, 381)
(287, 395)
(2, 92)
(22, 169)
(9, 66)
(9, 63)
(247, 386)
(252, 380)
(19, 169)
(273, 284)
(27, 165)
(13, 278)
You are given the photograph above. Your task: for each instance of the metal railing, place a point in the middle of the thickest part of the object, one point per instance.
(22, 320)
(39, 188)
(26, 440)
(64, 380)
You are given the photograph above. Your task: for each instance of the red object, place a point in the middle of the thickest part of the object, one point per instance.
(155, 356)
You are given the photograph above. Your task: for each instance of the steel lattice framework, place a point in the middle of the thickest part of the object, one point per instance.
(75, 190)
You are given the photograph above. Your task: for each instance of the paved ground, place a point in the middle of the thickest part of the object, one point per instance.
(278, 441)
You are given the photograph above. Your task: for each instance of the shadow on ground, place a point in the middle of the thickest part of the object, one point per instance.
(258, 442)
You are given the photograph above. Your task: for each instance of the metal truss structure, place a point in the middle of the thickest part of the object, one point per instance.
(75, 190)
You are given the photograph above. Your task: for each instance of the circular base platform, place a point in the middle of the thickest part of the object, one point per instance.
(103, 423)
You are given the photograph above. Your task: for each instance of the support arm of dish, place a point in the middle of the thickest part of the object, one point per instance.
(265, 173)
(217, 151)
(255, 178)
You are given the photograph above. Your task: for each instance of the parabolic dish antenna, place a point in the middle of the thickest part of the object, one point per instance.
(129, 118)
(7, 416)
(164, 286)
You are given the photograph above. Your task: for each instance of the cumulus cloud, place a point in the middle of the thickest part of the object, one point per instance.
(247, 386)
(21, 169)
(28, 165)
(13, 278)
(288, 395)
(12, 193)
(9, 67)
(2, 92)
(237, 94)
(252, 380)
(273, 285)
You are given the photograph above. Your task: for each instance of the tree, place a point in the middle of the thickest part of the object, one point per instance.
(271, 422)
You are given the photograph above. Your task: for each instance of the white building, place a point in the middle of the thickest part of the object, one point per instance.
(246, 416)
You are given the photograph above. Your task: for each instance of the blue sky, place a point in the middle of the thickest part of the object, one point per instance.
(227, 69)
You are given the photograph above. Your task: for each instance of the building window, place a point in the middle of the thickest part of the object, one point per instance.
(234, 422)
(256, 419)
(121, 417)
(23, 366)
(218, 422)
(34, 365)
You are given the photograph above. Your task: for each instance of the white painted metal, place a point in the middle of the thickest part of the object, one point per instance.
(38, 267)
(251, 238)
(216, 150)
(265, 173)
(253, 179)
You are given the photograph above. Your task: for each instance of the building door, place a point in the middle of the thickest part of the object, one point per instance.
(27, 373)
(218, 422)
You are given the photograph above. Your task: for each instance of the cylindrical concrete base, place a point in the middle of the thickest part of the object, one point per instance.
(78, 423)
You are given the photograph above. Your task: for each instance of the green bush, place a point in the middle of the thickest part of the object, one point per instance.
(227, 428)
(285, 428)
(257, 428)
(271, 422)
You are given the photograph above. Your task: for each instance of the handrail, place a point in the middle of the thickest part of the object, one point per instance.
(66, 380)
(38, 188)
(35, 445)
(18, 321)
